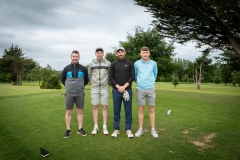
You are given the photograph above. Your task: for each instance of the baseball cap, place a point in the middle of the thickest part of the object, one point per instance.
(99, 49)
(120, 48)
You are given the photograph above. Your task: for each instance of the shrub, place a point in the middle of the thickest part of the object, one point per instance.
(52, 83)
(175, 81)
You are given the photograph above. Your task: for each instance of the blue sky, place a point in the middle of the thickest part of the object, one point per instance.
(48, 31)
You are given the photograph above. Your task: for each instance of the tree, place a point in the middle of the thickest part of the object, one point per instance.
(217, 80)
(209, 22)
(46, 72)
(175, 81)
(236, 77)
(36, 73)
(160, 51)
(190, 71)
(185, 78)
(111, 57)
(14, 63)
(228, 64)
(201, 66)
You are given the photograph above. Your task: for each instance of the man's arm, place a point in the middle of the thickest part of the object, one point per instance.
(90, 72)
(63, 77)
(155, 71)
(132, 74)
(135, 71)
(86, 80)
(111, 75)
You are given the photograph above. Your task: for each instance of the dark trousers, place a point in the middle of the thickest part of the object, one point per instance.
(117, 102)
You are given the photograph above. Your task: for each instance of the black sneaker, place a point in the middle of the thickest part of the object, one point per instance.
(68, 132)
(82, 132)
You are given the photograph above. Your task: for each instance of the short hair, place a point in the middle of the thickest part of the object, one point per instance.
(144, 49)
(75, 51)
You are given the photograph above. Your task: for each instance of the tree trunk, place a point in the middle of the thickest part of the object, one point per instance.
(198, 85)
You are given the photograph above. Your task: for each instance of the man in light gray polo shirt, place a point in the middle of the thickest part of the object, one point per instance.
(98, 71)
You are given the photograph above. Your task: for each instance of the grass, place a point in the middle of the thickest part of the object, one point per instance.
(204, 125)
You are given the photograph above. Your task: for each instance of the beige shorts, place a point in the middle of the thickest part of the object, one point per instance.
(99, 96)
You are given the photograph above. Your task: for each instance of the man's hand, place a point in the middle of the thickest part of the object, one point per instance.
(121, 89)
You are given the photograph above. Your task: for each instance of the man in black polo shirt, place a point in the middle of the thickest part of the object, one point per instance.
(121, 77)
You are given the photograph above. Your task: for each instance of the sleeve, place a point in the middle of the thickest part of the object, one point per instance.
(155, 71)
(63, 76)
(109, 64)
(90, 72)
(132, 73)
(135, 70)
(111, 75)
(86, 80)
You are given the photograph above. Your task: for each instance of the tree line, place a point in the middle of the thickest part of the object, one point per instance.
(15, 67)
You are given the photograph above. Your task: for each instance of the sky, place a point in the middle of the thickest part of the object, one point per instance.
(49, 30)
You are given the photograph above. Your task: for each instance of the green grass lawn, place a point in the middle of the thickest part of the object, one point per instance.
(204, 125)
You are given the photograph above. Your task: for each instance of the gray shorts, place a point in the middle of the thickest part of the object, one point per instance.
(142, 94)
(78, 99)
(99, 96)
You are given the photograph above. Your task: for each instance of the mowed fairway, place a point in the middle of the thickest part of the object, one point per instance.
(205, 124)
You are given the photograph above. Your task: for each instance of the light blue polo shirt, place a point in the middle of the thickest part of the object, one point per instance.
(145, 73)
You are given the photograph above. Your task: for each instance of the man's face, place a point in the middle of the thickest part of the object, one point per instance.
(145, 55)
(99, 55)
(75, 58)
(121, 54)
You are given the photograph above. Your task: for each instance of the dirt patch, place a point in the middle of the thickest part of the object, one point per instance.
(171, 152)
(186, 131)
(205, 142)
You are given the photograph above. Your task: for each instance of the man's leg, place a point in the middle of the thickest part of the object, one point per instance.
(95, 114)
(128, 111)
(79, 100)
(117, 101)
(69, 102)
(141, 100)
(68, 118)
(104, 114)
(104, 94)
(151, 104)
(151, 94)
(152, 116)
(79, 117)
(140, 116)
(95, 97)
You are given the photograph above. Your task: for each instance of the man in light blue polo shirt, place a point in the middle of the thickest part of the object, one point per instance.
(145, 76)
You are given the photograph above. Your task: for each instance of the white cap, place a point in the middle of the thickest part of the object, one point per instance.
(120, 48)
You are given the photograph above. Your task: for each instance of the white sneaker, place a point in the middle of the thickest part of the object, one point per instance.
(154, 133)
(105, 131)
(115, 133)
(95, 130)
(129, 134)
(139, 132)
